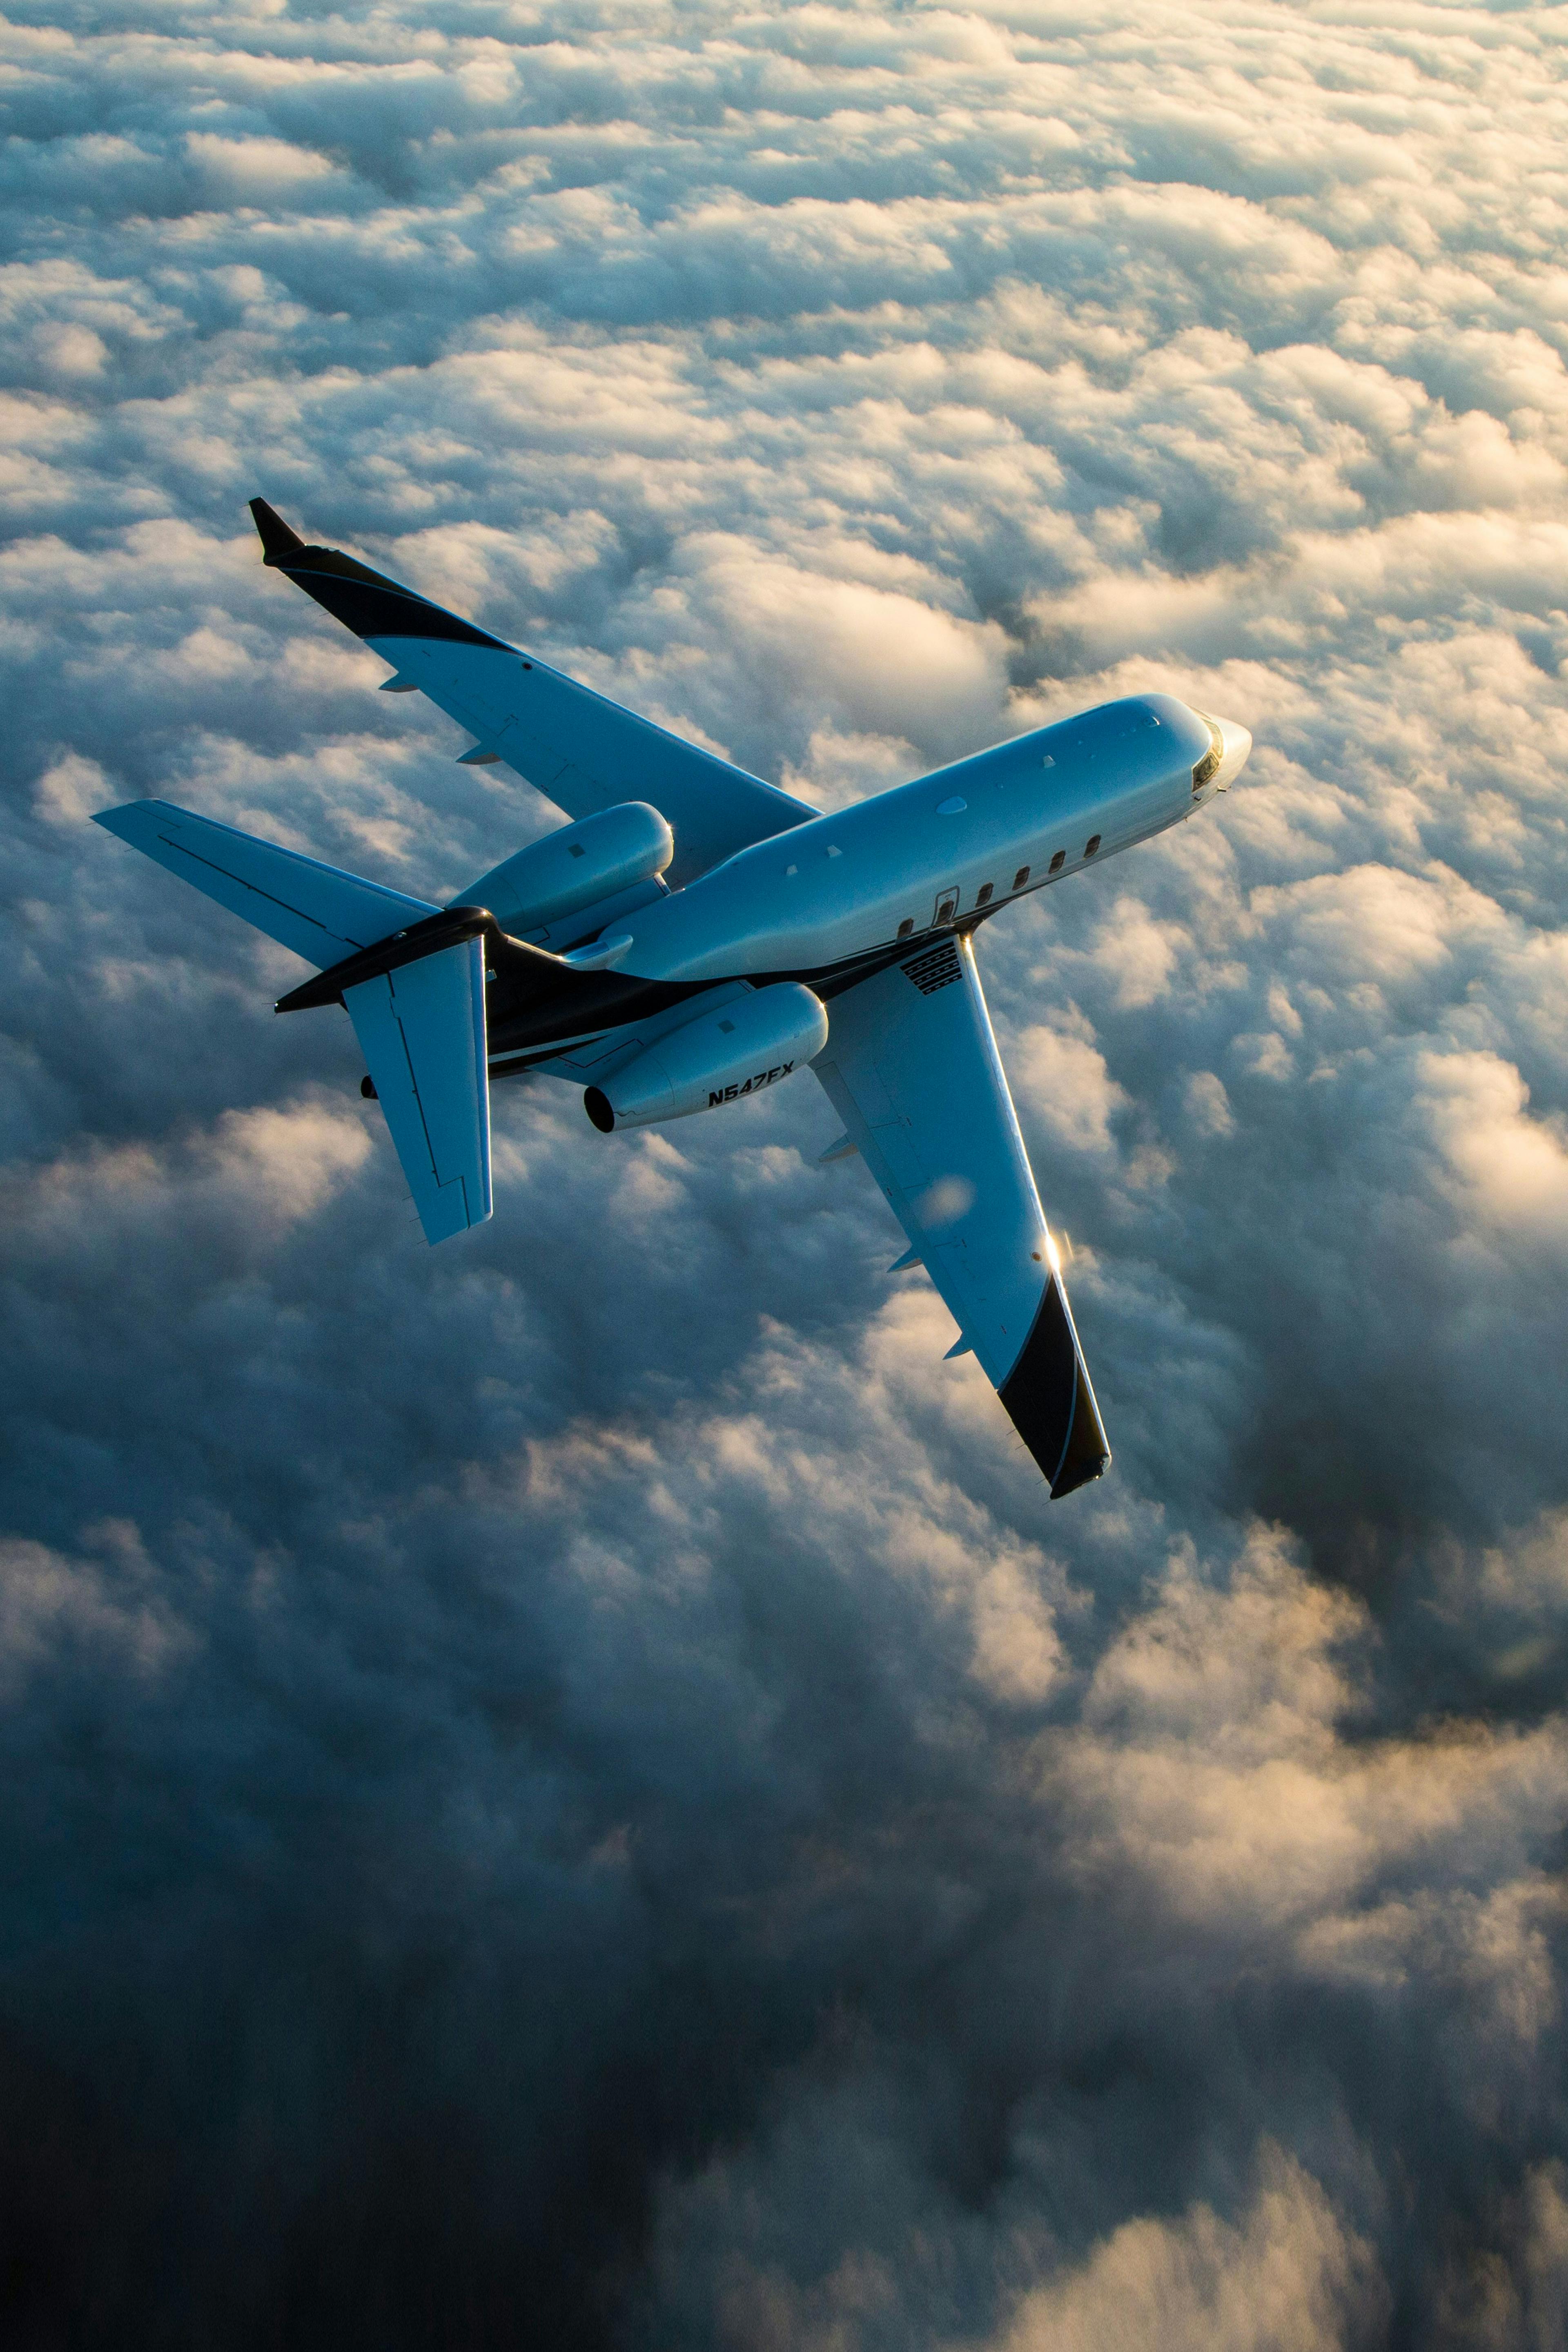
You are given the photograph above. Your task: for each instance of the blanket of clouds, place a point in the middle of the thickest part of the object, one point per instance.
(572, 1789)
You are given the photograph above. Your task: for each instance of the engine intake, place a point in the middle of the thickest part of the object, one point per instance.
(741, 1045)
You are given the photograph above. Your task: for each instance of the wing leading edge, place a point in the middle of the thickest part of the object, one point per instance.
(912, 1067)
(580, 750)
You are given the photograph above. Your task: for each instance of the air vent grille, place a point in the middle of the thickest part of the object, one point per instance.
(938, 968)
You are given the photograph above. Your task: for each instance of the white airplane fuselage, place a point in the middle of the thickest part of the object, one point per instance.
(937, 853)
(840, 895)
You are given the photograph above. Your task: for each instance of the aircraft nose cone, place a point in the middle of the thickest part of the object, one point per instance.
(1238, 741)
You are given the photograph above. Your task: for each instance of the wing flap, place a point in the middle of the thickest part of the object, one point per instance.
(422, 1032)
(912, 1067)
(317, 910)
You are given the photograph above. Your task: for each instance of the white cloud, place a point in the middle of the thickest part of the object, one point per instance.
(1285, 2276)
(1062, 1076)
(1210, 1763)
(617, 1650)
(1513, 1168)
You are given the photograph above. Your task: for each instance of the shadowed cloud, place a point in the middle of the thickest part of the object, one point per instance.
(573, 1790)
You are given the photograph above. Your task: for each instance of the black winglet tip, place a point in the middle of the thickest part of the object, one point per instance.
(278, 541)
(1082, 1474)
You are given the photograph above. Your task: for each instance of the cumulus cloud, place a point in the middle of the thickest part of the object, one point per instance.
(1288, 2278)
(574, 1785)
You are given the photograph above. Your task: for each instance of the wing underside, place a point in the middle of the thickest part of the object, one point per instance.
(912, 1067)
(579, 748)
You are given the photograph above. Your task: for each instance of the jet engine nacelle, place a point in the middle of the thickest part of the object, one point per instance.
(597, 857)
(742, 1045)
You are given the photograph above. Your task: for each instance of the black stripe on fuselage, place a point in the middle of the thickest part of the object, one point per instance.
(531, 1022)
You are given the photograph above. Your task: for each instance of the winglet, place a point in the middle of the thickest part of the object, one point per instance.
(278, 542)
(1051, 1402)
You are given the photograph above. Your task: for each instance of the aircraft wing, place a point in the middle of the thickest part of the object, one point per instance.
(912, 1067)
(580, 750)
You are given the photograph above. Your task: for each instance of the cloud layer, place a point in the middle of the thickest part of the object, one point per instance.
(573, 1789)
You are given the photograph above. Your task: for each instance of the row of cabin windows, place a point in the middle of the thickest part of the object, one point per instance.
(947, 907)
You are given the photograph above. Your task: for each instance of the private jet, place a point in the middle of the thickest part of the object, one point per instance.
(693, 936)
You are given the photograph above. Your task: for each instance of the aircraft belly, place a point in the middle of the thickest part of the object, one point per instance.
(600, 1057)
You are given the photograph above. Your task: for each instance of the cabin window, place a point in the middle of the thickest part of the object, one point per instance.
(1020, 877)
(947, 907)
(906, 927)
(983, 895)
(1091, 844)
(1058, 861)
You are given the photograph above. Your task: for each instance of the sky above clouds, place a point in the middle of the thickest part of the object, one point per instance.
(573, 1789)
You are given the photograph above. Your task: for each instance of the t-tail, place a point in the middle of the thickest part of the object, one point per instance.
(412, 976)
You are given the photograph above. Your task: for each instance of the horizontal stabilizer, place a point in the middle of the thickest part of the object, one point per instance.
(422, 1032)
(318, 911)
